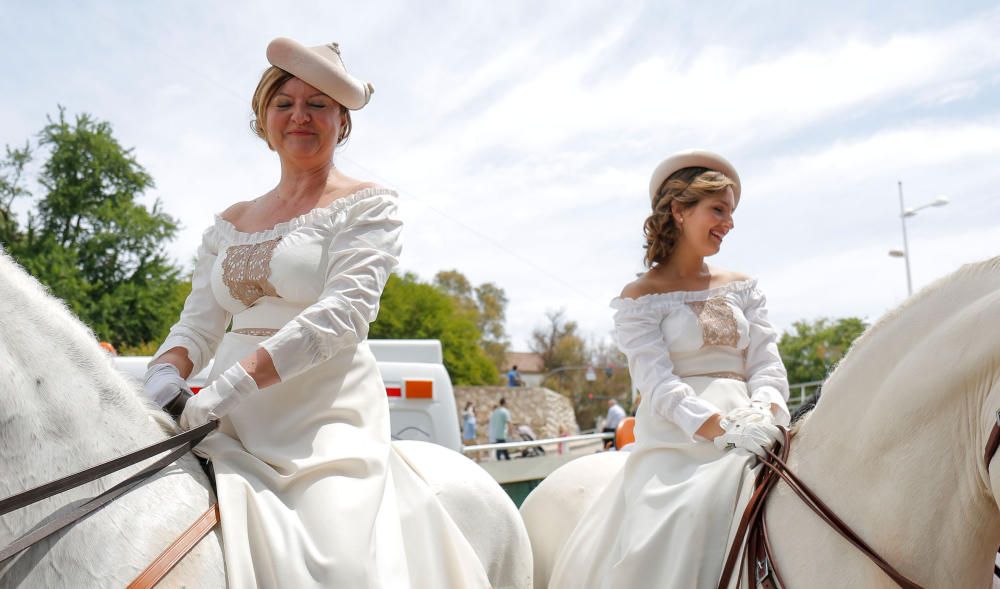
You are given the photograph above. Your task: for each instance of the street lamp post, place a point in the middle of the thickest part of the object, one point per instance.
(904, 212)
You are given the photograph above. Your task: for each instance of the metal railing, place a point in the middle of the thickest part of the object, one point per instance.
(542, 442)
(800, 392)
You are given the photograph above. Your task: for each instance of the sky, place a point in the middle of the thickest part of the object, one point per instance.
(521, 134)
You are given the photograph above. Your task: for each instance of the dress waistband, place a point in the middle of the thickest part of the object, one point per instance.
(716, 362)
(729, 375)
(258, 331)
(266, 317)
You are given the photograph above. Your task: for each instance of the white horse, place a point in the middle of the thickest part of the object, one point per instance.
(894, 446)
(63, 407)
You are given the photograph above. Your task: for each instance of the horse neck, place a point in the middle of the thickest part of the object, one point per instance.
(63, 407)
(895, 445)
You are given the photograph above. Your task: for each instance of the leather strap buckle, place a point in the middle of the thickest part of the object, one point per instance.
(762, 570)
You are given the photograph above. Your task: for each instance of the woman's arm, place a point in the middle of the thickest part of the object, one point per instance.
(640, 338)
(363, 251)
(192, 341)
(767, 378)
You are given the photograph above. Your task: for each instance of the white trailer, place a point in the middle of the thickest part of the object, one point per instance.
(417, 387)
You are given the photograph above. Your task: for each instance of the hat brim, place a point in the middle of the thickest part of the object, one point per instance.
(323, 72)
(693, 158)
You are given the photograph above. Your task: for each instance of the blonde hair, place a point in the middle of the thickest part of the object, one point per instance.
(270, 81)
(688, 187)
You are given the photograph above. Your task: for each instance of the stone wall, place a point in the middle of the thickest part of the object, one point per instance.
(542, 409)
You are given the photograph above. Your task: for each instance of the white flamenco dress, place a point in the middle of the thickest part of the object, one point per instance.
(311, 491)
(666, 519)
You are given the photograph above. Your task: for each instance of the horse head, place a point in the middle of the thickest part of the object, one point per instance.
(895, 444)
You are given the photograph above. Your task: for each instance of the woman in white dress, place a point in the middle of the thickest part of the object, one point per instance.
(705, 358)
(311, 492)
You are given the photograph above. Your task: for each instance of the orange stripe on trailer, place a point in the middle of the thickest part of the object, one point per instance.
(419, 389)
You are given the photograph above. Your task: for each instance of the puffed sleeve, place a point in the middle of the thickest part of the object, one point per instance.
(362, 252)
(766, 375)
(203, 321)
(640, 338)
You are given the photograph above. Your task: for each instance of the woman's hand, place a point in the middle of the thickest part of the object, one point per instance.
(218, 399)
(163, 384)
(750, 428)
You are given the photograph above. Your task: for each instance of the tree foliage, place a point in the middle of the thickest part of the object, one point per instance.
(487, 305)
(588, 373)
(558, 342)
(411, 309)
(88, 239)
(812, 349)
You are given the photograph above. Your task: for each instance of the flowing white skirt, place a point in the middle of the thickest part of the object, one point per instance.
(312, 493)
(667, 518)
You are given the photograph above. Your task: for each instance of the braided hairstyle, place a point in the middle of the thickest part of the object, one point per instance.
(686, 186)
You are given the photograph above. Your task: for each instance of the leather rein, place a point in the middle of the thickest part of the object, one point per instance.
(757, 553)
(178, 446)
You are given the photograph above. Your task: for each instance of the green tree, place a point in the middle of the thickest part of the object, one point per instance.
(492, 303)
(12, 187)
(486, 304)
(812, 349)
(89, 240)
(411, 309)
(558, 342)
(611, 381)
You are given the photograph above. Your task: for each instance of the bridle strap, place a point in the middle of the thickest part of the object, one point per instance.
(89, 506)
(752, 522)
(189, 438)
(993, 442)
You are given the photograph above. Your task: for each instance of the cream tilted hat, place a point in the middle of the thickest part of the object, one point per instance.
(693, 158)
(322, 68)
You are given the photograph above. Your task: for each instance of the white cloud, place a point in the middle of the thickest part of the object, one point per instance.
(521, 136)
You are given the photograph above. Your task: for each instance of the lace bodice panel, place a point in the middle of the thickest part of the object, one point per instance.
(312, 283)
(717, 332)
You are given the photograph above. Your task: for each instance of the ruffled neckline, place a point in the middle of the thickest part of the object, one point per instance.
(682, 296)
(230, 233)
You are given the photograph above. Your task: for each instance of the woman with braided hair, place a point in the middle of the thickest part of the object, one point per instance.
(705, 359)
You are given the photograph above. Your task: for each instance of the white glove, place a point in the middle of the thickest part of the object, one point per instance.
(750, 428)
(163, 383)
(219, 398)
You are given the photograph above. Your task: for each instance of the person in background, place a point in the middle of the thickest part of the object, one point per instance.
(514, 377)
(469, 424)
(615, 416)
(500, 428)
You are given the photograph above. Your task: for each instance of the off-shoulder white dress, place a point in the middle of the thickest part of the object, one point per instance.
(666, 519)
(312, 493)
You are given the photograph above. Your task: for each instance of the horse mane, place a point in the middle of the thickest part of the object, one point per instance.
(33, 300)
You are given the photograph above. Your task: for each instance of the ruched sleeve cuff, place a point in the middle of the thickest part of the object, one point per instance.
(770, 396)
(692, 412)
